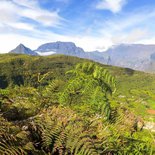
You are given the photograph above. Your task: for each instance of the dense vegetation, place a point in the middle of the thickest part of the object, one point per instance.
(63, 105)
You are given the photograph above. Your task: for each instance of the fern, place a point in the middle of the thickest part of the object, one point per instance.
(61, 136)
(11, 139)
(52, 92)
(90, 84)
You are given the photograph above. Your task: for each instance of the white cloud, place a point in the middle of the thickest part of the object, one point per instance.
(9, 41)
(150, 40)
(23, 26)
(15, 10)
(134, 27)
(131, 20)
(43, 17)
(8, 12)
(114, 6)
(90, 43)
(31, 4)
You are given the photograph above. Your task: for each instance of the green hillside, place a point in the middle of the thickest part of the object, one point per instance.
(65, 105)
(13, 65)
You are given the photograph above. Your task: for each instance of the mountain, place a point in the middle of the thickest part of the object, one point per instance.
(21, 49)
(135, 56)
(67, 48)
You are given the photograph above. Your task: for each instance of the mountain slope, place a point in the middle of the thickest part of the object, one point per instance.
(21, 49)
(24, 70)
(136, 56)
(58, 64)
(67, 48)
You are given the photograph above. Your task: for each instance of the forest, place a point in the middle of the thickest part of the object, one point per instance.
(64, 105)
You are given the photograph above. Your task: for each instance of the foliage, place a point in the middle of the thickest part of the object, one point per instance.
(59, 107)
(90, 85)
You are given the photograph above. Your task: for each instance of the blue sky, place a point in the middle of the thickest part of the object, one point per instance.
(91, 24)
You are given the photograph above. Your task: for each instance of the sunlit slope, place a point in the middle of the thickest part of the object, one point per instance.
(13, 69)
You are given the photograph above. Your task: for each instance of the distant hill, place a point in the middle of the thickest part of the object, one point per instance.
(135, 56)
(21, 49)
(68, 48)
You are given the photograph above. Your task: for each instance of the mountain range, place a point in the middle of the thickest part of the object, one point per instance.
(134, 56)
